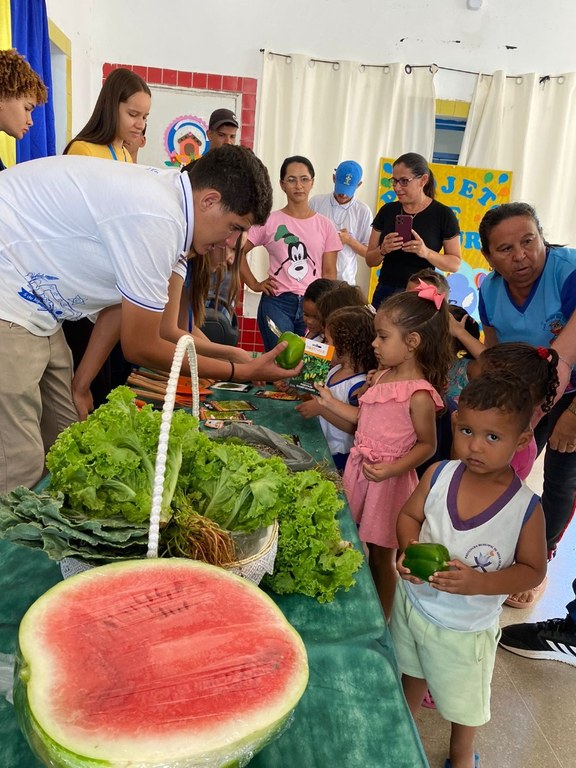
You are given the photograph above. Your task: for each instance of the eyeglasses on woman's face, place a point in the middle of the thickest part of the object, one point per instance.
(292, 180)
(403, 182)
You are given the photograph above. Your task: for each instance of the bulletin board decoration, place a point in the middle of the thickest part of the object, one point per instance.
(185, 139)
(470, 192)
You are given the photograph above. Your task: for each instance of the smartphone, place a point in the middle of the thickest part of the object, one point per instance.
(404, 226)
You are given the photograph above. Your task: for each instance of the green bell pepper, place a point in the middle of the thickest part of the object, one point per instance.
(291, 356)
(425, 558)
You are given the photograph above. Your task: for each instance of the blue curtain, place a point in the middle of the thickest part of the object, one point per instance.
(30, 38)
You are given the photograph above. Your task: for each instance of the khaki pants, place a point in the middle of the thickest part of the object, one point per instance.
(35, 401)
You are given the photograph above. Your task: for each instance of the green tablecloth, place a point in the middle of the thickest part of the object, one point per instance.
(353, 714)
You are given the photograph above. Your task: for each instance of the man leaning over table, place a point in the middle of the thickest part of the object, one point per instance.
(83, 237)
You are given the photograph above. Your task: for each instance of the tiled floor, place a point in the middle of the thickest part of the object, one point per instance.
(533, 721)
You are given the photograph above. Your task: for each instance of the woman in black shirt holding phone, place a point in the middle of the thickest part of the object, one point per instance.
(413, 232)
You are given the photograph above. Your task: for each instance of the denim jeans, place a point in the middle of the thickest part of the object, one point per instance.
(286, 311)
(559, 477)
(382, 291)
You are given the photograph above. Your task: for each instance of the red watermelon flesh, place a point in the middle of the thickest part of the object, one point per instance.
(158, 661)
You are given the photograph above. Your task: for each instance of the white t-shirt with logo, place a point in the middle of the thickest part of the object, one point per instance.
(79, 234)
(486, 542)
(354, 216)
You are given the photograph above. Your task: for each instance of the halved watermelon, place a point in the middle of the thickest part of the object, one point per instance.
(154, 664)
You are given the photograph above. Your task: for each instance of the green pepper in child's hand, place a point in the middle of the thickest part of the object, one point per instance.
(291, 356)
(425, 558)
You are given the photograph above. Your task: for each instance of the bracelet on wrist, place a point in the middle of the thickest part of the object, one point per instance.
(232, 371)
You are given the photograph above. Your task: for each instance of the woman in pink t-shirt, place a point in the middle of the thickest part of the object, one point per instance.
(302, 246)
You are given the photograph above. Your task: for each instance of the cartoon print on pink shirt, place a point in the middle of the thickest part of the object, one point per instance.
(298, 256)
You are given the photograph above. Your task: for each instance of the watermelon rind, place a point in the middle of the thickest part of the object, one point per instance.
(60, 742)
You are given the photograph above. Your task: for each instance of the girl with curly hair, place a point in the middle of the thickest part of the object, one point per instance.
(350, 330)
(21, 90)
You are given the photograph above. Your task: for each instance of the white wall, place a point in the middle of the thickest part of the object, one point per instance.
(225, 36)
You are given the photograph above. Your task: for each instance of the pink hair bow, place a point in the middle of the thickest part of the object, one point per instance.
(430, 292)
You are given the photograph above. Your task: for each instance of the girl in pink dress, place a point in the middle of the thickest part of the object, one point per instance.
(396, 420)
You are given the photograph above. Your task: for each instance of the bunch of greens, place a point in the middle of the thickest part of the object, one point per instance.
(105, 465)
(41, 521)
(100, 494)
(233, 485)
(312, 559)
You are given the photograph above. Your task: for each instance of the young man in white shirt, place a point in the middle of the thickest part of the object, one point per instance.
(85, 237)
(352, 218)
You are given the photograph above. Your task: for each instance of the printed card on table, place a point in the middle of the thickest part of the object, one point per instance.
(271, 394)
(206, 413)
(230, 405)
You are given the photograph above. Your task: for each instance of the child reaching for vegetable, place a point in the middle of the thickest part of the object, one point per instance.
(445, 630)
(350, 330)
(396, 422)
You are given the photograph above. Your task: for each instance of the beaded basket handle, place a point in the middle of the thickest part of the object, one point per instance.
(185, 343)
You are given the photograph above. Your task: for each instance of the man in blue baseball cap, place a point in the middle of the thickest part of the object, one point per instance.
(351, 217)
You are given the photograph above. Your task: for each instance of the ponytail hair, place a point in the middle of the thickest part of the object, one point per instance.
(414, 314)
(537, 367)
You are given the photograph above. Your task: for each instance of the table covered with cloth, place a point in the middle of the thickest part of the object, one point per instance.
(353, 713)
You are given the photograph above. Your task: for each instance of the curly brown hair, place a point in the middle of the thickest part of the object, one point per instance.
(352, 332)
(537, 368)
(413, 314)
(17, 78)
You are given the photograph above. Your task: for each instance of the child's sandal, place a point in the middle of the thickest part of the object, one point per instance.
(448, 764)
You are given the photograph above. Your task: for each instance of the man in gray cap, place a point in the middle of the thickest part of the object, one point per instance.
(352, 218)
(222, 128)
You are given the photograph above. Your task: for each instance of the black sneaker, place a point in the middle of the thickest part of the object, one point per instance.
(554, 639)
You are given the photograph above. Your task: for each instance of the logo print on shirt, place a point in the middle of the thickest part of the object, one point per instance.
(298, 256)
(43, 291)
(483, 557)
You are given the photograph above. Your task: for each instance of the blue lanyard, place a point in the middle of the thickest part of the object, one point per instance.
(113, 152)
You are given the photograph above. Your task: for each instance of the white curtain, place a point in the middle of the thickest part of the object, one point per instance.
(334, 111)
(527, 125)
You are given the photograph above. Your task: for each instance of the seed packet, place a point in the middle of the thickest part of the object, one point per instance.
(271, 394)
(230, 405)
(219, 423)
(317, 360)
(231, 386)
(206, 414)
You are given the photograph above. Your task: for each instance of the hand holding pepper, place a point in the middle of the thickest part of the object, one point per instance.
(460, 580)
(423, 559)
(405, 572)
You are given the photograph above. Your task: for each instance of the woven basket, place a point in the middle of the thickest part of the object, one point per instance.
(257, 550)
